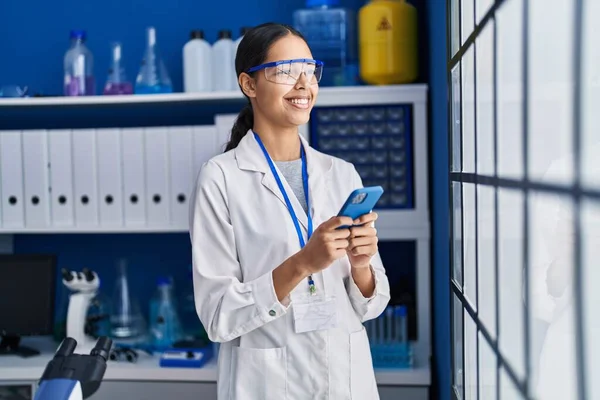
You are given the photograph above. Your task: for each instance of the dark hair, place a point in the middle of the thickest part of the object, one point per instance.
(253, 51)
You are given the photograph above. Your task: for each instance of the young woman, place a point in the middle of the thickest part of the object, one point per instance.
(275, 281)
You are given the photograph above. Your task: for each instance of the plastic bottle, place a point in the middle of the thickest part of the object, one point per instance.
(164, 320)
(223, 62)
(388, 42)
(236, 44)
(197, 64)
(79, 67)
(331, 34)
(404, 345)
(153, 77)
(117, 82)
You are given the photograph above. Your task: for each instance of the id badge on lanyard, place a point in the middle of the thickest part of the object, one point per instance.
(312, 311)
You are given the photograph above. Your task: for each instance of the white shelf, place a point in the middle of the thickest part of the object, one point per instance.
(328, 96)
(147, 368)
(384, 233)
(392, 224)
(94, 229)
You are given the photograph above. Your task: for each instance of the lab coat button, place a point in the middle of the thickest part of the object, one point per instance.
(272, 313)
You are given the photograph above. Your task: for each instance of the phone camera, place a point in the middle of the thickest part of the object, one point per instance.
(359, 198)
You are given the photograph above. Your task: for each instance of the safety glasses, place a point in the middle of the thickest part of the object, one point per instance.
(287, 72)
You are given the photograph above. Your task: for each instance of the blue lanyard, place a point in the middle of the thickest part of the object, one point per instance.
(311, 283)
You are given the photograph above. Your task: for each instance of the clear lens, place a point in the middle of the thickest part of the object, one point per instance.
(289, 73)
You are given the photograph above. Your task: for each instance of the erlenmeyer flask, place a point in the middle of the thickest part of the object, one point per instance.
(126, 318)
(117, 81)
(153, 77)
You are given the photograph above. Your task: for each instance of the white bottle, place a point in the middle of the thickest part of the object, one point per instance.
(236, 44)
(197, 64)
(222, 58)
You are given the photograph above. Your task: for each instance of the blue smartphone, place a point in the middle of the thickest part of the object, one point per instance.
(360, 202)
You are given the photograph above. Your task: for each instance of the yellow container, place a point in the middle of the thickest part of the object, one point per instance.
(388, 42)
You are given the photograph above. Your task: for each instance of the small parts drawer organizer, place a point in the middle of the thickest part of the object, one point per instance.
(377, 140)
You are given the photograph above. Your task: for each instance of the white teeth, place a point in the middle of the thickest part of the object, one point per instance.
(299, 101)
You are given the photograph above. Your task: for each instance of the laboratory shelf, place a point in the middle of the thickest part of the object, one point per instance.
(147, 369)
(391, 226)
(411, 222)
(328, 96)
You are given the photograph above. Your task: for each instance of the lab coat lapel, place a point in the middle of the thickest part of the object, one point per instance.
(250, 157)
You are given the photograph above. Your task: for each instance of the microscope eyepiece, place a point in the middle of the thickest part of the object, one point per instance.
(89, 275)
(67, 347)
(66, 274)
(102, 347)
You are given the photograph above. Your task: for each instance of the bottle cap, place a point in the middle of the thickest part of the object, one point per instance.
(320, 3)
(244, 30)
(225, 34)
(197, 34)
(401, 311)
(151, 36)
(78, 34)
(116, 51)
(163, 281)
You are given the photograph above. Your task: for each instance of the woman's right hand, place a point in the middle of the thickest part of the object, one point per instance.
(326, 245)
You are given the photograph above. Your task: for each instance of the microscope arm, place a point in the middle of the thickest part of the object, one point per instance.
(84, 286)
(76, 316)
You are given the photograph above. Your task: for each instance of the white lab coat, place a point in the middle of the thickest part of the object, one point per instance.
(241, 230)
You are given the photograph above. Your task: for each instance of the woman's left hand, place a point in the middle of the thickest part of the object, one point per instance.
(363, 241)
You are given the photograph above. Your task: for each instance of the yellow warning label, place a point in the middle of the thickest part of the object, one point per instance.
(384, 25)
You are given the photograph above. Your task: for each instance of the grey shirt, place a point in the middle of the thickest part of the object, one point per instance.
(292, 172)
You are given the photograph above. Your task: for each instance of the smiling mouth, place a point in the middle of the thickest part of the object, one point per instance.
(299, 102)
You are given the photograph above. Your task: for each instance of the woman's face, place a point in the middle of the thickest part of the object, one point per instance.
(285, 105)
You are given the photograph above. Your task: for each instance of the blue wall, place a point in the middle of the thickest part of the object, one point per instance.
(35, 35)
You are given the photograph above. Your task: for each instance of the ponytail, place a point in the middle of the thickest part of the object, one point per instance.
(244, 121)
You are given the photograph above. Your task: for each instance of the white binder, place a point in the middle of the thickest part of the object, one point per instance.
(205, 138)
(134, 185)
(157, 176)
(224, 123)
(181, 170)
(85, 184)
(36, 178)
(61, 178)
(11, 180)
(108, 147)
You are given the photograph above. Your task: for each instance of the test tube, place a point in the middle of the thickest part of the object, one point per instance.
(389, 320)
(380, 329)
(400, 313)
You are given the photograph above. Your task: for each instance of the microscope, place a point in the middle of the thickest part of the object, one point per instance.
(84, 286)
(71, 376)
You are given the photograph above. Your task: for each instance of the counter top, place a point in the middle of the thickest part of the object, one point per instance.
(15, 368)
